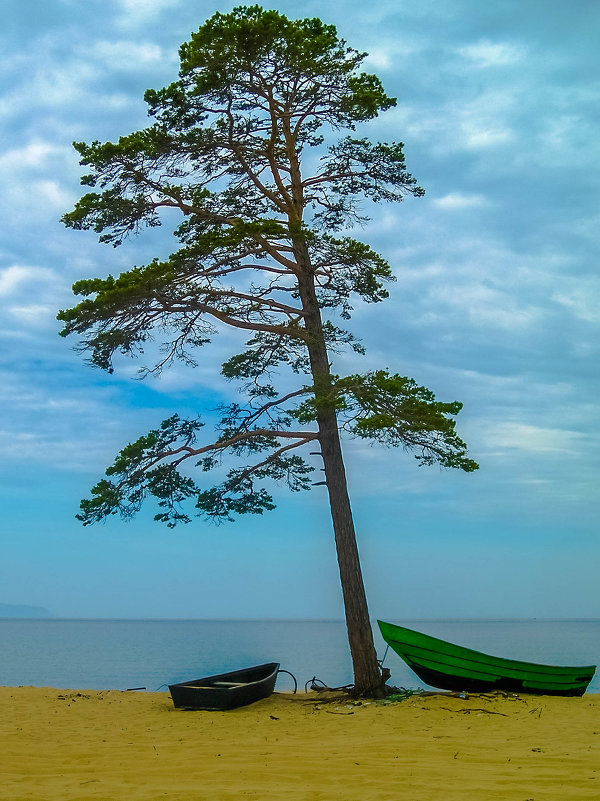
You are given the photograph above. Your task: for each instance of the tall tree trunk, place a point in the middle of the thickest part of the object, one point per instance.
(367, 676)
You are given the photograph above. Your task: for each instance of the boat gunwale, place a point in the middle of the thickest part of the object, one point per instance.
(551, 673)
(193, 683)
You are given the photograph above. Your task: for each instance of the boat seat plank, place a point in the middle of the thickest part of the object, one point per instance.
(230, 683)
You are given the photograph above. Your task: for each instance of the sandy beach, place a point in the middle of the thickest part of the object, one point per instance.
(122, 746)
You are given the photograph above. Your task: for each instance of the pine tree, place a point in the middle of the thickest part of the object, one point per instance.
(262, 248)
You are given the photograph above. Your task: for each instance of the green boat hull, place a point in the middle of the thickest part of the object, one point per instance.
(453, 667)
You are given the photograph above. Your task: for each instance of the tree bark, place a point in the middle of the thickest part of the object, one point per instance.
(367, 676)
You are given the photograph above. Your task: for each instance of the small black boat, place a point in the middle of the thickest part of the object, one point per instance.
(226, 690)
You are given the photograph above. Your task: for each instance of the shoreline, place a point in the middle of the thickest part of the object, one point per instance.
(110, 745)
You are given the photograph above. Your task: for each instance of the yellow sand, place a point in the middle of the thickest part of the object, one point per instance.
(63, 745)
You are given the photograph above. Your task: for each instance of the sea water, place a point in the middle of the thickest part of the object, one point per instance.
(125, 654)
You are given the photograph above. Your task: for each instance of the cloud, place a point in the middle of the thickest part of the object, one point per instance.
(583, 299)
(29, 299)
(135, 12)
(146, 7)
(486, 53)
(35, 314)
(59, 421)
(51, 85)
(479, 135)
(457, 201)
(379, 58)
(127, 55)
(453, 123)
(467, 285)
(34, 154)
(34, 177)
(535, 439)
(486, 305)
(384, 53)
(55, 194)
(62, 83)
(488, 119)
(13, 279)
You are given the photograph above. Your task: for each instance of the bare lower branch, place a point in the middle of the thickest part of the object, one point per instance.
(188, 451)
(298, 333)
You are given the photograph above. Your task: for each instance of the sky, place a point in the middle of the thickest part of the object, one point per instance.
(496, 304)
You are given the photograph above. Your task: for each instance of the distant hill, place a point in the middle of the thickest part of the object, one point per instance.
(20, 610)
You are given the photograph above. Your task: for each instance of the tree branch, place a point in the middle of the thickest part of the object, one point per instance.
(291, 311)
(298, 332)
(305, 436)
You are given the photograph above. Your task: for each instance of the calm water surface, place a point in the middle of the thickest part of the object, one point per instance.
(120, 654)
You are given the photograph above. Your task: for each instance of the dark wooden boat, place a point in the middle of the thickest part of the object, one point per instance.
(226, 690)
(452, 667)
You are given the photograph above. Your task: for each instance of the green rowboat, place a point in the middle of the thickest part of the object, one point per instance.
(453, 667)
